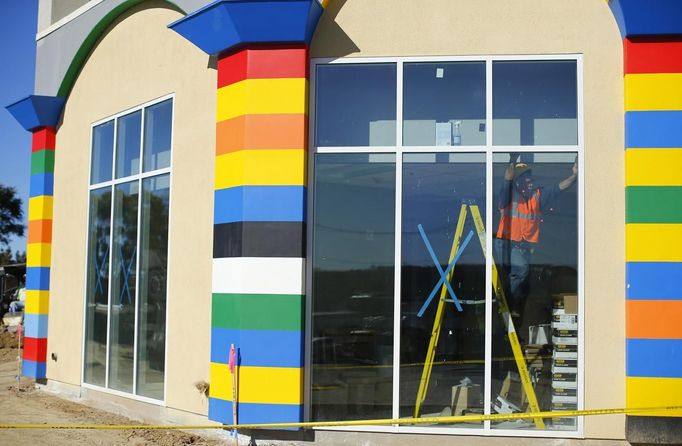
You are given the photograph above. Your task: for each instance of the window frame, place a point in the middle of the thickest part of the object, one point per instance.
(489, 149)
(111, 184)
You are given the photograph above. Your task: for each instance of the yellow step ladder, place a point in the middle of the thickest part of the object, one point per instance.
(503, 310)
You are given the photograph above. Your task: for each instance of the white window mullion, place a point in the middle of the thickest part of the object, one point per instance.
(111, 254)
(398, 240)
(487, 384)
(136, 325)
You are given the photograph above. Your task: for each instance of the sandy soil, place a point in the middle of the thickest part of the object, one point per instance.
(21, 402)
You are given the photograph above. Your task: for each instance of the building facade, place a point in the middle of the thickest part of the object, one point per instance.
(322, 185)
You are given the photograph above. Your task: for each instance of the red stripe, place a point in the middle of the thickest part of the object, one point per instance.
(652, 55)
(44, 139)
(35, 349)
(263, 63)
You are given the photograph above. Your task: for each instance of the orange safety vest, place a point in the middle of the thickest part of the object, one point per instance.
(521, 219)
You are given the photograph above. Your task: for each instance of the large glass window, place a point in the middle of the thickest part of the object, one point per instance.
(445, 265)
(125, 313)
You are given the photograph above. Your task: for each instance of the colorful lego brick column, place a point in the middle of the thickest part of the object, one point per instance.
(40, 115)
(652, 44)
(38, 252)
(259, 234)
(260, 199)
(653, 104)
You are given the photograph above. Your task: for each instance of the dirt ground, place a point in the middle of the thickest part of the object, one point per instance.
(21, 402)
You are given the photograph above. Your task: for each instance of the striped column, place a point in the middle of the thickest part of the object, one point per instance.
(38, 252)
(260, 195)
(40, 115)
(259, 234)
(653, 123)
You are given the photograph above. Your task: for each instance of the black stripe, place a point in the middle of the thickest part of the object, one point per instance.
(259, 239)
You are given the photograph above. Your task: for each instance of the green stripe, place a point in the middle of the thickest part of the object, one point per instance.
(42, 161)
(653, 204)
(258, 311)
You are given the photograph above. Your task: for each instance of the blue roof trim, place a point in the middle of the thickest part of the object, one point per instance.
(647, 18)
(34, 112)
(227, 24)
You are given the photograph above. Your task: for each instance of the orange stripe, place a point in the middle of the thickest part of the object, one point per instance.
(40, 231)
(654, 319)
(285, 131)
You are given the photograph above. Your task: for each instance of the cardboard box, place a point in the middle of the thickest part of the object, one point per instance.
(538, 355)
(560, 347)
(565, 392)
(564, 399)
(565, 355)
(567, 302)
(512, 390)
(466, 397)
(562, 340)
(565, 319)
(565, 406)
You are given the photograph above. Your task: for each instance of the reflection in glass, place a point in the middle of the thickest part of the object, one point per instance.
(157, 136)
(535, 103)
(536, 253)
(355, 105)
(353, 277)
(444, 104)
(152, 295)
(102, 152)
(97, 290)
(435, 188)
(128, 145)
(122, 302)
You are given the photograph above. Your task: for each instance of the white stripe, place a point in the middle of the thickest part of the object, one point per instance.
(259, 275)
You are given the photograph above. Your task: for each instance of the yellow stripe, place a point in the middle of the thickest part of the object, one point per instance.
(261, 167)
(40, 208)
(653, 167)
(268, 385)
(262, 96)
(37, 302)
(660, 91)
(653, 242)
(38, 254)
(654, 392)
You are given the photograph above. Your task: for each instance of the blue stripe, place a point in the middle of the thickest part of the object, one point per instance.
(653, 280)
(32, 369)
(38, 278)
(248, 413)
(653, 129)
(258, 348)
(35, 325)
(660, 358)
(259, 203)
(42, 184)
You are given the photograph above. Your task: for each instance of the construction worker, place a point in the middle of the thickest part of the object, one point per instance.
(521, 204)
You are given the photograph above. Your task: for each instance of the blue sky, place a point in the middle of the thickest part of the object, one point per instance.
(18, 23)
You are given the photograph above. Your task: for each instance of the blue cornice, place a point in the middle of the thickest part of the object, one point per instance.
(227, 24)
(34, 112)
(647, 17)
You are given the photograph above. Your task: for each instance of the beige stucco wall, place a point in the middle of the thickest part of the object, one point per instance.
(362, 28)
(138, 60)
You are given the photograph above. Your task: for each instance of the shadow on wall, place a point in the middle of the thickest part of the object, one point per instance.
(336, 42)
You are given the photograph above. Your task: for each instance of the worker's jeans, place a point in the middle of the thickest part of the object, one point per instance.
(16, 306)
(514, 260)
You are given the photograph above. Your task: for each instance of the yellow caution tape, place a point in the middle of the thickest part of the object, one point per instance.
(378, 422)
